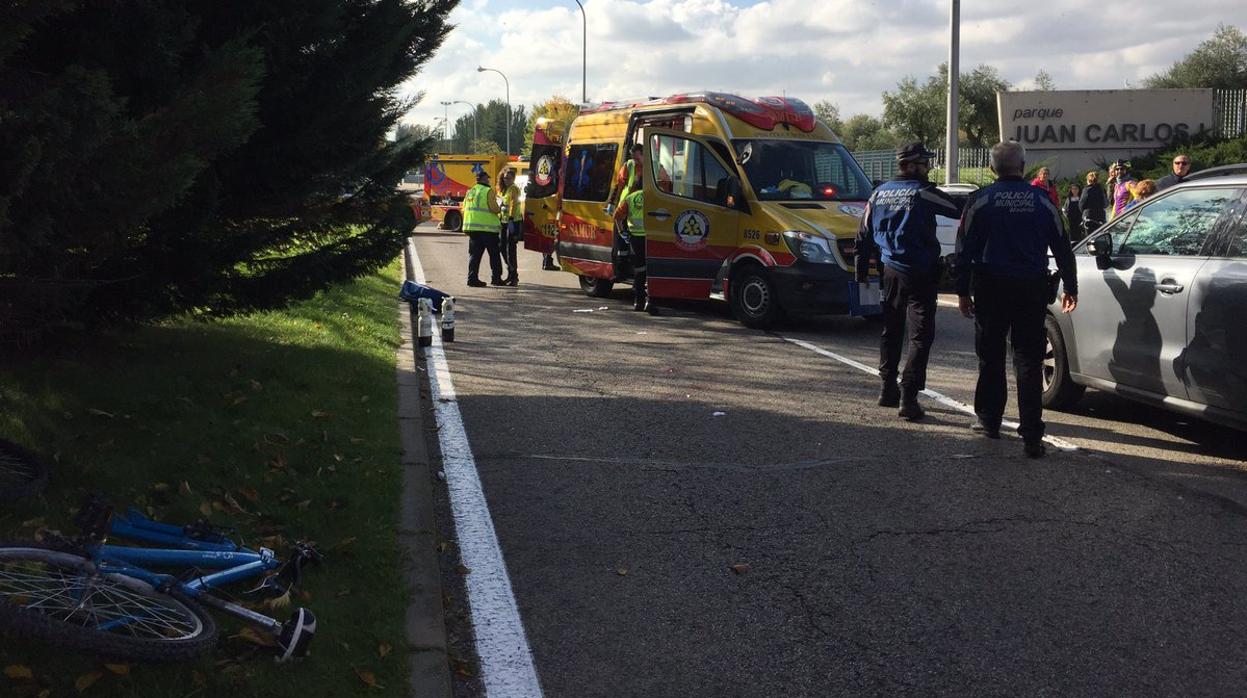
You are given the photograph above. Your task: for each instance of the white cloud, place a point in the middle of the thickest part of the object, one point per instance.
(847, 51)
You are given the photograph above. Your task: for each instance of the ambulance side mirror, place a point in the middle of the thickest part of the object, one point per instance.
(734, 194)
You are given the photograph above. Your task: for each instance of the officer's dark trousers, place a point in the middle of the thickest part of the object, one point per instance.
(1010, 307)
(908, 299)
(510, 248)
(478, 244)
(636, 244)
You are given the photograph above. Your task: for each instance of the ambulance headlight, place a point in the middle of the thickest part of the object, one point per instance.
(809, 247)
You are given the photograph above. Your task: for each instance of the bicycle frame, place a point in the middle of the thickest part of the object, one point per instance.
(235, 562)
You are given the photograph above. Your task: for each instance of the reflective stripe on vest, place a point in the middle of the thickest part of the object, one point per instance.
(636, 214)
(630, 165)
(477, 218)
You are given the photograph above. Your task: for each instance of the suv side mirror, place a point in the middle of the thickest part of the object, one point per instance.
(1102, 247)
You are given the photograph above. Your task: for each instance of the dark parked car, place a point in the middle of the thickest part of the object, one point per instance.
(1162, 305)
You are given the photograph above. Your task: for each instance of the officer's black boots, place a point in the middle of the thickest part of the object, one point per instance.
(476, 283)
(890, 395)
(910, 409)
(981, 427)
(1033, 448)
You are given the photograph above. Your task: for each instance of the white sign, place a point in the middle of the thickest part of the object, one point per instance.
(1072, 130)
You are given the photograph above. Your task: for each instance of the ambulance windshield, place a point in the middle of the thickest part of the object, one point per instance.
(784, 170)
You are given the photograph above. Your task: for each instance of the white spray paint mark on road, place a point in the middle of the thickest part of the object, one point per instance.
(507, 668)
(938, 397)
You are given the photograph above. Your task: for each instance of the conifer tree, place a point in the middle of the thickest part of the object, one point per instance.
(214, 156)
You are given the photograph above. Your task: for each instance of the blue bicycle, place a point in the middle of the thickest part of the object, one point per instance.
(101, 598)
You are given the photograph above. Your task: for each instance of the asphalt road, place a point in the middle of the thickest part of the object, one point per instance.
(806, 542)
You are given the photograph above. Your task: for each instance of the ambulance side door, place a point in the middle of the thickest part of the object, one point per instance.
(690, 228)
(541, 197)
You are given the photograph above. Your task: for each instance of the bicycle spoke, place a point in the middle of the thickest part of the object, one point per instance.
(95, 601)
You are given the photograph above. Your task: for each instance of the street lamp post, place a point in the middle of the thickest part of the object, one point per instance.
(467, 104)
(507, 82)
(954, 79)
(584, 55)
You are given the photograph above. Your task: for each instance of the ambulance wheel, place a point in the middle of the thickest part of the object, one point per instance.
(598, 288)
(453, 221)
(753, 298)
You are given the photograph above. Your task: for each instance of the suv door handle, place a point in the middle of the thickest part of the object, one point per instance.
(661, 214)
(1169, 287)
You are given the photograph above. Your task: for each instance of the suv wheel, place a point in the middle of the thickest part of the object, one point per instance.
(1059, 390)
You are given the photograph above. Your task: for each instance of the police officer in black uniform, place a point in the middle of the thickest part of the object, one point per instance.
(1002, 248)
(898, 232)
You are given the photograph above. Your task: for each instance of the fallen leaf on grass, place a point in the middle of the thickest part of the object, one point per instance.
(100, 413)
(369, 679)
(233, 504)
(356, 440)
(343, 543)
(240, 400)
(37, 522)
(160, 487)
(740, 568)
(302, 506)
(384, 649)
(250, 493)
(256, 385)
(321, 414)
(184, 488)
(343, 593)
(87, 681)
(205, 509)
(250, 635)
(118, 669)
(18, 671)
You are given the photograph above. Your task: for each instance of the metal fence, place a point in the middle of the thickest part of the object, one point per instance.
(1229, 113)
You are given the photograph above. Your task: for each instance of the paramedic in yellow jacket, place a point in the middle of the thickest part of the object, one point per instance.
(480, 222)
(511, 216)
(630, 218)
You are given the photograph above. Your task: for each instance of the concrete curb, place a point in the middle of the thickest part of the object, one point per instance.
(425, 624)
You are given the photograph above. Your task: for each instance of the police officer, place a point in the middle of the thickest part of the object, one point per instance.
(1002, 248)
(898, 230)
(630, 216)
(480, 222)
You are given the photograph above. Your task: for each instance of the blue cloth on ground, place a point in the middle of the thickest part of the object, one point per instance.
(412, 292)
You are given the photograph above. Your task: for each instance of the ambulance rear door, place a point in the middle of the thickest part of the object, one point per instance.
(690, 226)
(541, 196)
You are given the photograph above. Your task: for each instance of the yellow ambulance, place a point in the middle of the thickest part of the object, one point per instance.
(752, 201)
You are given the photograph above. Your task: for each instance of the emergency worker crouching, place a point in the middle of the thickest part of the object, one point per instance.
(1003, 284)
(898, 230)
(629, 218)
(481, 223)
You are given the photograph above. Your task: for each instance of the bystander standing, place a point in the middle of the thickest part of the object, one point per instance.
(1073, 212)
(1181, 170)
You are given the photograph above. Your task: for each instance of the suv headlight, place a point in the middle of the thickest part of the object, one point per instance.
(809, 247)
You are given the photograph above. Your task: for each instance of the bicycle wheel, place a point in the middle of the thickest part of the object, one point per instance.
(21, 474)
(61, 598)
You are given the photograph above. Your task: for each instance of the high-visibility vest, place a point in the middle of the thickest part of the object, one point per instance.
(477, 217)
(636, 213)
(630, 166)
(511, 204)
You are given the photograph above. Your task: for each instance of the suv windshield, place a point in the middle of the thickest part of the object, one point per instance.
(783, 170)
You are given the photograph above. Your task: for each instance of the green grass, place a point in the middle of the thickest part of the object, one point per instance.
(281, 424)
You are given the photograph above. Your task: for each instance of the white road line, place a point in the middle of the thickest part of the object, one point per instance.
(938, 397)
(507, 668)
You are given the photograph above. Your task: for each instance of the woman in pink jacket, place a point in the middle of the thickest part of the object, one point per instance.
(1043, 181)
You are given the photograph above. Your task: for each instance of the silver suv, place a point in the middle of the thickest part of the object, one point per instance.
(1162, 305)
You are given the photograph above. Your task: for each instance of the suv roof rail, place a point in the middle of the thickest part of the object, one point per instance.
(1222, 171)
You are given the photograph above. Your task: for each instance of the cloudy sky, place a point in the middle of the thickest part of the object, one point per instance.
(846, 51)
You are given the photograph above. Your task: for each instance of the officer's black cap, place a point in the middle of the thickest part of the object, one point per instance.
(913, 151)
